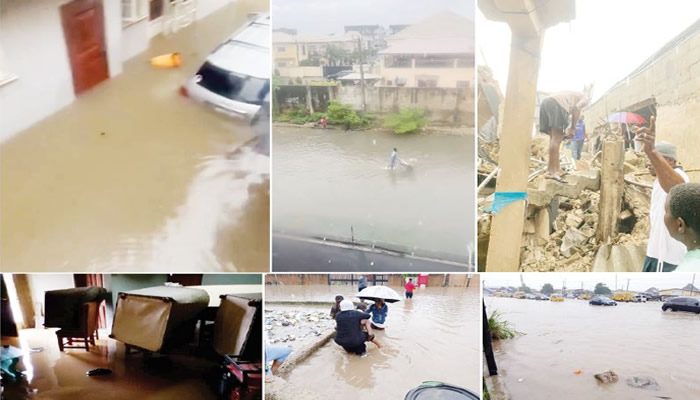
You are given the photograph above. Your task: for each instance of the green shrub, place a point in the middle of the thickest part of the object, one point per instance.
(500, 328)
(343, 114)
(408, 120)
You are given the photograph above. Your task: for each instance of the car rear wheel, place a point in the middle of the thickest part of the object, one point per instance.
(664, 308)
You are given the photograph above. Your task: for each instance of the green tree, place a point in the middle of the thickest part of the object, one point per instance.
(547, 289)
(336, 55)
(408, 120)
(601, 288)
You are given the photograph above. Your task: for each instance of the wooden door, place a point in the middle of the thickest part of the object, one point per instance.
(83, 28)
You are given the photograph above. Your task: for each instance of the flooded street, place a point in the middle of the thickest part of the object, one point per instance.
(134, 176)
(434, 336)
(630, 339)
(335, 184)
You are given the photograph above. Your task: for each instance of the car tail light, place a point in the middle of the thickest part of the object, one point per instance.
(183, 91)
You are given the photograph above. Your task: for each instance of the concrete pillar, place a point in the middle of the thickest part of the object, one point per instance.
(514, 156)
(612, 187)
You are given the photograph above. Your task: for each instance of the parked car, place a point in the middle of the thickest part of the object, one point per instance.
(541, 297)
(690, 304)
(235, 77)
(639, 298)
(602, 301)
(519, 295)
(623, 296)
(584, 296)
(556, 298)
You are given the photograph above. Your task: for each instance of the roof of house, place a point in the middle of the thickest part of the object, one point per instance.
(444, 33)
(691, 288)
(282, 37)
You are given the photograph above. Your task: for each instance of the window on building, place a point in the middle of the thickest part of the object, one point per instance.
(465, 62)
(434, 61)
(399, 62)
(155, 9)
(134, 11)
(281, 49)
(464, 84)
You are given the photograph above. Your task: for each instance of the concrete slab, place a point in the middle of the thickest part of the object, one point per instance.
(576, 183)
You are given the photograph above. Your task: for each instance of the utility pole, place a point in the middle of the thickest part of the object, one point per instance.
(692, 286)
(362, 74)
(628, 284)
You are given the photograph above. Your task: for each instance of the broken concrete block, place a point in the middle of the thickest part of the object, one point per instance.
(573, 221)
(607, 377)
(619, 258)
(626, 214)
(572, 238)
(575, 184)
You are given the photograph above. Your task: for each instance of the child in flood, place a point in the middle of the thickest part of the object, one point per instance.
(410, 287)
(336, 308)
(378, 310)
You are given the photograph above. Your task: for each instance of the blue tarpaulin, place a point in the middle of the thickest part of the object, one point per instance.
(502, 199)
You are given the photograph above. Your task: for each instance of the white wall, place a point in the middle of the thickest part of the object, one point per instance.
(134, 39)
(39, 57)
(41, 283)
(206, 7)
(113, 35)
(35, 49)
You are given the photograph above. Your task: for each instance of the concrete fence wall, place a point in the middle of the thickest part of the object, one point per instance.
(673, 81)
(444, 105)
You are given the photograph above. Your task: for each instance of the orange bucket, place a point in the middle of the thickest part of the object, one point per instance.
(170, 60)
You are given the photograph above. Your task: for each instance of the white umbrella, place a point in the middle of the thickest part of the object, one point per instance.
(379, 292)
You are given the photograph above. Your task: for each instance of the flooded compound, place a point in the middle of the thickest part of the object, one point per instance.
(133, 175)
(52, 374)
(335, 184)
(561, 339)
(432, 337)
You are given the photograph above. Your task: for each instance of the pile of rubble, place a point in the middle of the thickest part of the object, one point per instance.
(560, 232)
(285, 326)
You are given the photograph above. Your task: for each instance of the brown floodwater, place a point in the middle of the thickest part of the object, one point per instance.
(133, 176)
(53, 375)
(433, 337)
(631, 339)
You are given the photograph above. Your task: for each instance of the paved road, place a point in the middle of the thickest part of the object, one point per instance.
(301, 255)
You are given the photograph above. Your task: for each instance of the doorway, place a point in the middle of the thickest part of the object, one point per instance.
(83, 28)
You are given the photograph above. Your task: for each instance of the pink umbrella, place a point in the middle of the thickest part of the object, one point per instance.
(625, 117)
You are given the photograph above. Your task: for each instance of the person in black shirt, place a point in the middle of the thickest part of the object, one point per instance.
(349, 324)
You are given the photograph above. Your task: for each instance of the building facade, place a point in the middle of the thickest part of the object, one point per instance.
(55, 71)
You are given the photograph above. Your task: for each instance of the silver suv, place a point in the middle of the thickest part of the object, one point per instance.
(235, 77)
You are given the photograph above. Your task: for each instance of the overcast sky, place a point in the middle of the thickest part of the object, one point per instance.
(638, 281)
(329, 16)
(607, 40)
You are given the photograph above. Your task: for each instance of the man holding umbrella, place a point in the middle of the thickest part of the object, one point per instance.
(663, 252)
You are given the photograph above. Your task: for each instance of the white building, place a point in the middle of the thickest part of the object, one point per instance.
(54, 50)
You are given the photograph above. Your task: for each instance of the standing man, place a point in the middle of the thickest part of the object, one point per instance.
(410, 287)
(579, 139)
(362, 284)
(663, 252)
(392, 158)
(554, 119)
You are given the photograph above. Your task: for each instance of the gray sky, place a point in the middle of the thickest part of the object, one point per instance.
(607, 40)
(638, 281)
(329, 16)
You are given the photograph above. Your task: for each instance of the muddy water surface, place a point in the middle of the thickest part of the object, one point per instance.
(630, 339)
(329, 181)
(434, 336)
(61, 376)
(133, 176)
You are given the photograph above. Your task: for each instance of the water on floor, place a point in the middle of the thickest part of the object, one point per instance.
(432, 337)
(50, 374)
(337, 184)
(134, 176)
(631, 339)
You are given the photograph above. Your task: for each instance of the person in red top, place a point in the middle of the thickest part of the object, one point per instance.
(410, 287)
